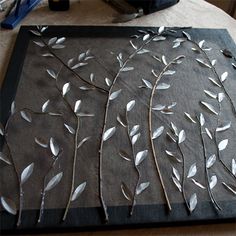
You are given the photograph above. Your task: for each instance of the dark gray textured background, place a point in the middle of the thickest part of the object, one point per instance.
(187, 87)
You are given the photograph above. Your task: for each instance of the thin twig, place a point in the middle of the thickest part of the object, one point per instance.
(100, 167)
(183, 177)
(216, 205)
(136, 168)
(76, 74)
(74, 168)
(217, 76)
(150, 133)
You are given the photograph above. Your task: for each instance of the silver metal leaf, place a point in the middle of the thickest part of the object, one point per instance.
(125, 69)
(69, 128)
(4, 158)
(167, 111)
(200, 44)
(81, 56)
(140, 156)
(221, 97)
(53, 182)
(41, 142)
(163, 58)
(230, 188)
(13, 107)
(47, 55)
(202, 63)
(45, 105)
(91, 77)
(54, 147)
(86, 88)
(52, 73)
(213, 62)
(130, 105)
(169, 72)
(142, 51)
(211, 161)
(223, 144)
(52, 41)
(132, 44)
(26, 116)
(109, 133)
(83, 114)
(147, 83)
(115, 94)
(173, 104)
(78, 191)
(234, 65)
(186, 35)
(79, 65)
(134, 130)
(202, 119)
(171, 137)
(83, 141)
(172, 154)
(176, 173)
(135, 138)
(122, 120)
(146, 36)
(126, 192)
(210, 94)
(61, 40)
(65, 88)
(224, 76)
(182, 136)
(198, 184)
(142, 187)
(162, 86)
(40, 44)
(124, 155)
(174, 128)
(71, 62)
(9, 205)
(233, 168)
(214, 82)
(208, 133)
(26, 173)
(35, 32)
(157, 133)
(58, 46)
(192, 171)
(1, 129)
(77, 106)
(209, 107)
(193, 202)
(158, 107)
(176, 45)
(177, 183)
(161, 30)
(213, 181)
(190, 117)
(159, 38)
(108, 82)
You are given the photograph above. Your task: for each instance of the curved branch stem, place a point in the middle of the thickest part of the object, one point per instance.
(216, 205)
(183, 178)
(71, 70)
(73, 169)
(150, 133)
(100, 166)
(136, 168)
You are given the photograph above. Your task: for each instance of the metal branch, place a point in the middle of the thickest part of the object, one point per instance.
(136, 168)
(216, 205)
(71, 70)
(73, 169)
(150, 132)
(183, 178)
(100, 167)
